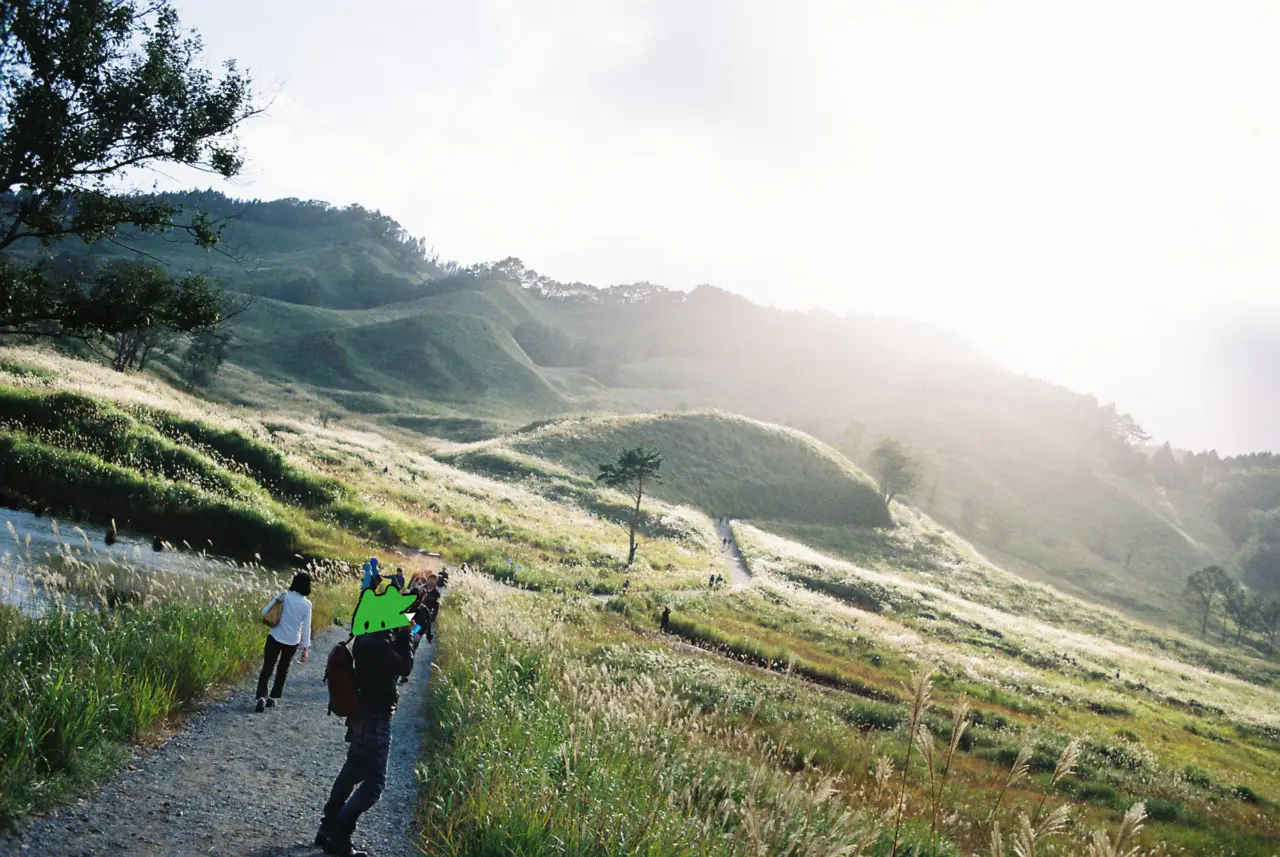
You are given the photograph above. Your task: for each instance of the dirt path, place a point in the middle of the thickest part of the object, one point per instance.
(237, 783)
(739, 574)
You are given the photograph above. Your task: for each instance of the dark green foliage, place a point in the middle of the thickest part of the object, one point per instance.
(205, 353)
(1095, 792)
(1246, 794)
(869, 715)
(90, 90)
(1159, 809)
(1108, 708)
(1197, 776)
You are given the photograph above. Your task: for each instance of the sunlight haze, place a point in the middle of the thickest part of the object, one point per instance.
(1085, 191)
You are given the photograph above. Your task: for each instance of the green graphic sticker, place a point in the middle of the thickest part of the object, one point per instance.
(381, 612)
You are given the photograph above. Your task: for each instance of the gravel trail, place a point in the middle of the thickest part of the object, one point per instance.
(233, 782)
(739, 574)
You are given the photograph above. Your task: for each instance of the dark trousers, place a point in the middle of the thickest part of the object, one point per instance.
(366, 766)
(270, 652)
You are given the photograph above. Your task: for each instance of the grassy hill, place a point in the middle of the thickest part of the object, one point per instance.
(808, 660)
(720, 463)
(446, 356)
(351, 314)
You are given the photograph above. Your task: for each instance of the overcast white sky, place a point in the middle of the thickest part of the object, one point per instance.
(1088, 190)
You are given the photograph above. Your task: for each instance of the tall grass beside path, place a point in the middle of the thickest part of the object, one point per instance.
(78, 684)
(532, 750)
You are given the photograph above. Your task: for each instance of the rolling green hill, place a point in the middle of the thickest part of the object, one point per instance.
(451, 357)
(1041, 478)
(720, 463)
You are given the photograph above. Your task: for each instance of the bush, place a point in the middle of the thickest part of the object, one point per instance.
(1096, 792)
(1159, 809)
(868, 715)
(1246, 794)
(1197, 777)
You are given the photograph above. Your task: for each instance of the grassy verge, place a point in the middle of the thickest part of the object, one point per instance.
(78, 685)
(532, 751)
(562, 729)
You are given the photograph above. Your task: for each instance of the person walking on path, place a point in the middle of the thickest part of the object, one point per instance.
(293, 629)
(666, 618)
(381, 658)
(425, 609)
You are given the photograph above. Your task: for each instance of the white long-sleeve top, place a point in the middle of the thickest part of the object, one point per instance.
(295, 619)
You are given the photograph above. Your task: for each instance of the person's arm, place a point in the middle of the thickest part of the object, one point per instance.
(401, 655)
(269, 603)
(306, 631)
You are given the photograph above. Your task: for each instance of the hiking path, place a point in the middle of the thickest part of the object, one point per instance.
(739, 574)
(241, 784)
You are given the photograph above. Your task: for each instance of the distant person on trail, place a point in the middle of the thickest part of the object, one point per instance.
(666, 618)
(711, 581)
(397, 579)
(371, 576)
(293, 629)
(381, 658)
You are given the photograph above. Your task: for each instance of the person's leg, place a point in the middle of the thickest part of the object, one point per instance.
(282, 671)
(270, 651)
(348, 778)
(375, 746)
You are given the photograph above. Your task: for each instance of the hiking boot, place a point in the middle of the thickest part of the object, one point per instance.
(261, 706)
(343, 848)
(271, 703)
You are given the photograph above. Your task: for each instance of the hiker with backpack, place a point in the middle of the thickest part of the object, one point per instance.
(371, 667)
(289, 615)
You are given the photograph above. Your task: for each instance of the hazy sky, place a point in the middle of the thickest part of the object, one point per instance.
(1088, 190)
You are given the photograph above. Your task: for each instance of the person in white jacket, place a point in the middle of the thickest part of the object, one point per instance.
(293, 629)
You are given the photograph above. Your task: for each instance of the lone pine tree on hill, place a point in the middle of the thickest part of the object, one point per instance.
(91, 92)
(630, 472)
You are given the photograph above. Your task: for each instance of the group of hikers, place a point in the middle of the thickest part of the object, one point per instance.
(379, 660)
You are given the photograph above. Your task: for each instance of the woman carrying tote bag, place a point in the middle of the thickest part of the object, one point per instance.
(291, 612)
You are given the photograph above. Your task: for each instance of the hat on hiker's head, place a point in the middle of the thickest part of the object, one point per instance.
(373, 563)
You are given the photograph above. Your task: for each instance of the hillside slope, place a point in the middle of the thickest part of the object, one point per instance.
(453, 357)
(720, 463)
(1041, 477)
